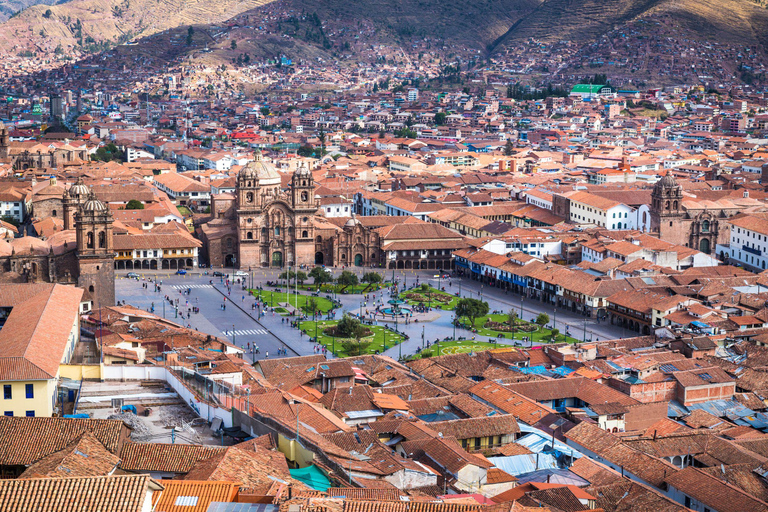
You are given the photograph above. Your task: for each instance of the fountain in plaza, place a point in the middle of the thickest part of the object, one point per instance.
(397, 308)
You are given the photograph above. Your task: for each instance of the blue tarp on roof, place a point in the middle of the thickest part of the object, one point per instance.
(556, 476)
(523, 464)
(537, 441)
(312, 476)
(700, 325)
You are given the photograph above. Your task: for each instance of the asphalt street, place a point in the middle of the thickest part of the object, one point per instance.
(239, 322)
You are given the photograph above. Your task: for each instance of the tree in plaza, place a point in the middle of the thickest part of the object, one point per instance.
(511, 317)
(347, 278)
(134, 204)
(542, 319)
(472, 309)
(555, 334)
(350, 327)
(371, 277)
(291, 274)
(320, 275)
(310, 307)
(424, 287)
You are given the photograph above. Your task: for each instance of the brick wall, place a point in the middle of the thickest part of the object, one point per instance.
(642, 416)
(696, 394)
(647, 392)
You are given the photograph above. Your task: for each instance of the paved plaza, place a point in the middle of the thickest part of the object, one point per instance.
(239, 323)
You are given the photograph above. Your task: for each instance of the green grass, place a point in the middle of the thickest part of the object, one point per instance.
(323, 304)
(425, 298)
(308, 327)
(458, 347)
(360, 288)
(541, 335)
(184, 211)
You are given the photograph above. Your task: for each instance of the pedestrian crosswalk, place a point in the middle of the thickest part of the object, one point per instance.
(247, 332)
(186, 286)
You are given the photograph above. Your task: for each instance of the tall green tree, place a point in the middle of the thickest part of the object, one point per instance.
(472, 309)
(372, 278)
(347, 278)
(320, 275)
(134, 204)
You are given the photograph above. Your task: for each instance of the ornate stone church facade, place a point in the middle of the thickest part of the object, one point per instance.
(266, 226)
(695, 219)
(81, 254)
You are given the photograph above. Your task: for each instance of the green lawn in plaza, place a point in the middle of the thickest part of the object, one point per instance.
(431, 297)
(271, 297)
(540, 335)
(379, 332)
(329, 288)
(457, 347)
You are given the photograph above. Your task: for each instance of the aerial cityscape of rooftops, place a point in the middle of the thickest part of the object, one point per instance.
(383, 256)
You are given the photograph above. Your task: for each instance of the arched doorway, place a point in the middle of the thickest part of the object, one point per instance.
(319, 258)
(704, 245)
(145, 264)
(166, 264)
(358, 260)
(277, 259)
(153, 264)
(229, 260)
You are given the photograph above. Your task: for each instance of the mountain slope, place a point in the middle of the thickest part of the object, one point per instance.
(88, 24)
(10, 7)
(736, 21)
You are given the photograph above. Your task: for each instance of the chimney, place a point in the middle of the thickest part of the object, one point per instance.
(548, 476)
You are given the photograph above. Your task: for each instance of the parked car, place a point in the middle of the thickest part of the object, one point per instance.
(181, 272)
(132, 275)
(218, 273)
(241, 273)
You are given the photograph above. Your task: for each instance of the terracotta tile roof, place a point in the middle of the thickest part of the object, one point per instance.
(498, 476)
(125, 493)
(172, 458)
(154, 241)
(713, 492)
(253, 467)
(501, 397)
(84, 457)
(356, 493)
(192, 496)
(35, 336)
(627, 496)
(497, 425)
(586, 390)
(24, 441)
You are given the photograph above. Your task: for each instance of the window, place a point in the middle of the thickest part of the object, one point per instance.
(89, 241)
(8, 413)
(30, 389)
(477, 442)
(688, 501)
(7, 392)
(30, 414)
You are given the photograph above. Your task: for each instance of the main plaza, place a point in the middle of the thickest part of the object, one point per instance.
(261, 313)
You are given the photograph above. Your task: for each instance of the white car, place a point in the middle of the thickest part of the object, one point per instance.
(241, 273)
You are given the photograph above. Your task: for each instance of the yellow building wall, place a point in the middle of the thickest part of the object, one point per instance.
(42, 403)
(294, 452)
(81, 371)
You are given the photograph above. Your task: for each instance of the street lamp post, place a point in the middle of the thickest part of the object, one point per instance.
(454, 327)
(233, 335)
(554, 324)
(584, 339)
(522, 299)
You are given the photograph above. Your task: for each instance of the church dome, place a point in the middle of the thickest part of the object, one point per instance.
(260, 170)
(352, 222)
(79, 189)
(92, 204)
(667, 181)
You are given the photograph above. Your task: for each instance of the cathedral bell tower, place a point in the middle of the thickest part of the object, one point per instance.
(304, 210)
(95, 254)
(666, 203)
